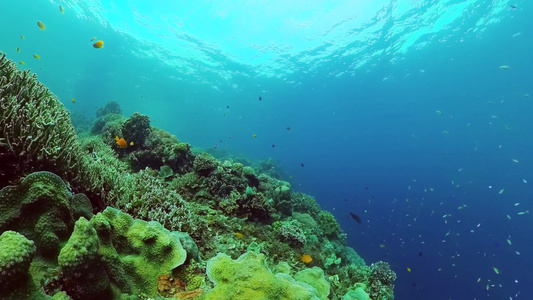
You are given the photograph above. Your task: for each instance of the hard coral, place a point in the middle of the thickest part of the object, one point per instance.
(35, 131)
(249, 278)
(136, 129)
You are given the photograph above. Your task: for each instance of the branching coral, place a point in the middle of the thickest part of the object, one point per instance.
(35, 128)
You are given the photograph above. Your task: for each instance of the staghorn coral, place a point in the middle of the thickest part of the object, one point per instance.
(35, 131)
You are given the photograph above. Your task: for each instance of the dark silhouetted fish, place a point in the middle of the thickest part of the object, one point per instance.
(260, 98)
(356, 217)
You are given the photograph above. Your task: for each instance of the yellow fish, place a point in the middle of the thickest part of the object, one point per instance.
(131, 144)
(254, 135)
(41, 25)
(98, 44)
(306, 258)
(36, 56)
(408, 269)
(61, 9)
(73, 100)
(22, 63)
(239, 235)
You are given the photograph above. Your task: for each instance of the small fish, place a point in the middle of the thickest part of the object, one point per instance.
(254, 135)
(36, 56)
(22, 63)
(496, 270)
(356, 217)
(501, 191)
(526, 95)
(288, 128)
(509, 242)
(306, 258)
(260, 98)
(273, 146)
(94, 38)
(227, 106)
(524, 180)
(408, 269)
(121, 142)
(504, 67)
(215, 146)
(61, 9)
(73, 100)
(18, 49)
(302, 164)
(420, 253)
(239, 235)
(98, 44)
(438, 112)
(515, 160)
(41, 25)
(131, 144)
(514, 6)
(381, 245)
(22, 37)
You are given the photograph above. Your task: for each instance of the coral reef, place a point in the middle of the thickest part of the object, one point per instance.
(222, 208)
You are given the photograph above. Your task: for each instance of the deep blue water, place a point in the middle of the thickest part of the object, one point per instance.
(398, 110)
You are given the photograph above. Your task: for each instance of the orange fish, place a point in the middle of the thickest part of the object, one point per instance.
(306, 258)
(41, 25)
(98, 44)
(121, 142)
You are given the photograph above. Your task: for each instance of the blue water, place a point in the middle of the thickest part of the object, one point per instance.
(398, 110)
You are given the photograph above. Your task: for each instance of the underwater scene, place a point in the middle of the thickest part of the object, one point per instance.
(369, 150)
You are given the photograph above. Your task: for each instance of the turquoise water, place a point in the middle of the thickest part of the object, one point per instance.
(398, 111)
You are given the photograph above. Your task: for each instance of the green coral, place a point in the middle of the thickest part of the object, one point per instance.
(82, 268)
(136, 129)
(36, 133)
(16, 253)
(111, 107)
(328, 224)
(204, 164)
(145, 251)
(39, 208)
(315, 277)
(249, 278)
